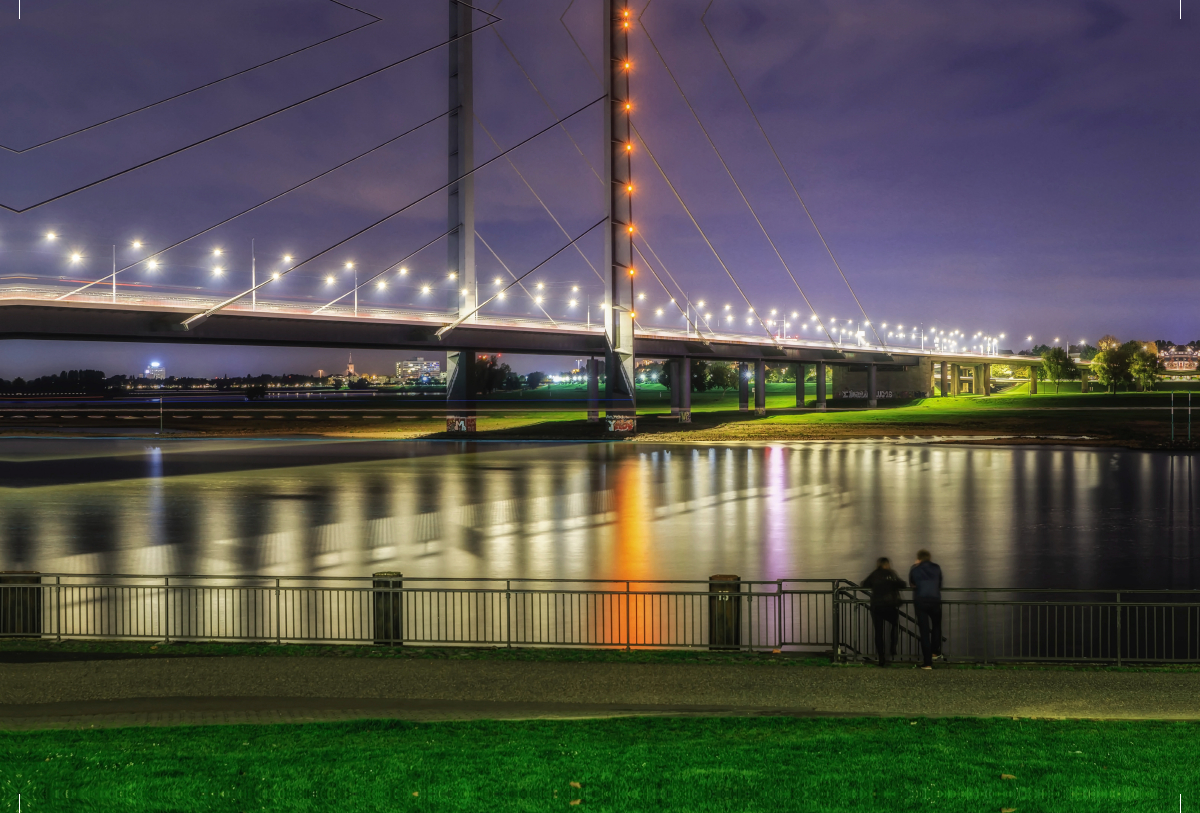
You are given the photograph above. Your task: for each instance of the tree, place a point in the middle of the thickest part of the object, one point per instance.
(700, 375)
(781, 373)
(1059, 366)
(490, 374)
(534, 380)
(722, 375)
(1111, 364)
(1144, 368)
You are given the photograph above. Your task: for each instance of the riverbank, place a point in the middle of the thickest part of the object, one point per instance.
(1133, 420)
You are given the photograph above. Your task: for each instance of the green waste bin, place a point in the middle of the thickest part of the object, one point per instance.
(20, 603)
(724, 612)
(389, 608)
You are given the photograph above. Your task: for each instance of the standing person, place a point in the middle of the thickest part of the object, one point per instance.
(926, 580)
(885, 588)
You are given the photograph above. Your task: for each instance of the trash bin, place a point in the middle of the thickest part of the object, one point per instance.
(724, 612)
(389, 608)
(20, 603)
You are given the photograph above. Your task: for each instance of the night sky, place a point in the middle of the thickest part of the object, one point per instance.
(1027, 167)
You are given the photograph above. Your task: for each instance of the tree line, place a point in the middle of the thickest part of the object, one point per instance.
(1114, 363)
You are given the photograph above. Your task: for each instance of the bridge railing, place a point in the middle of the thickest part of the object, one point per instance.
(818, 615)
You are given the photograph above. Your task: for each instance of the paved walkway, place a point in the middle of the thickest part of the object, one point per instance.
(182, 690)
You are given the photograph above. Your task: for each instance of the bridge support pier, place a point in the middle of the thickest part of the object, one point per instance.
(1033, 380)
(760, 387)
(684, 368)
(872, 392)
(800, 372)
(593, 390)
(460, 392)
(986, 378)
(673, 378)
(945, 376)
(743, 386)
(956, 380)
(821, 402)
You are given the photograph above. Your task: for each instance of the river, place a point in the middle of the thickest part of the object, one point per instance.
(994, 516)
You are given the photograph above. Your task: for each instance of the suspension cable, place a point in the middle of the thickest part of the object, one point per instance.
(570, 137)
(732, 178)
(384, 271)
(514, 276)
(787, 175)
(682, 312)
(160, 252)
(538, 197)
(200, 317)
(444, 329)
(374, 19)
(253, 121)
(700, 229)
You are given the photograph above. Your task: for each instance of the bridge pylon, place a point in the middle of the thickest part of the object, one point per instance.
(619, 368)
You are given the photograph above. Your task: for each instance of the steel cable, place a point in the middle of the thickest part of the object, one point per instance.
(787, 175)
(729, 172)
(202, 316)
(703, 234)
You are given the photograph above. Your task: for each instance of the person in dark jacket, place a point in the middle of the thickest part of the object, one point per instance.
(926, 580)
(885, 588)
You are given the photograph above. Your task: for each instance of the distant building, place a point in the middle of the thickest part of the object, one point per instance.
(155, 371)
(417, 369)
(350, 368)
(319, 374)
(1179, 359)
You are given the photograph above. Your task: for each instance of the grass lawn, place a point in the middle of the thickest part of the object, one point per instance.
(696, 764)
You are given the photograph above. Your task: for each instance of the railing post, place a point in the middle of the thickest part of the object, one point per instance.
(1118, 629)
(837, 627)
(58, 606)
(278, 619)
(508, 614)
(166, 613)
(627, 637)
(779, 609)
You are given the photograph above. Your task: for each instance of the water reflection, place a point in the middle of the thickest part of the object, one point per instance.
(994, 516)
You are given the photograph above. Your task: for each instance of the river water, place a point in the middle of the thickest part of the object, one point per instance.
(993, 516)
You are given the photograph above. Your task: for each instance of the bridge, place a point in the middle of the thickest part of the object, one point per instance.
(865, 362)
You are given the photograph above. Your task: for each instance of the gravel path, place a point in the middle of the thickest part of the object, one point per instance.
(247, 689)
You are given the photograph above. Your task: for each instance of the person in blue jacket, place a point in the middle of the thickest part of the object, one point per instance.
(925, 578)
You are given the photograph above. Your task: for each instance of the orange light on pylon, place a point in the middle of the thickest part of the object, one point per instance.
(631, 232)
(629, 146)
(626, 66)
(628, 106)
(629, 189)
(631, 272)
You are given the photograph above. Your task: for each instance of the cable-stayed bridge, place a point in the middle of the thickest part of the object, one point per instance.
(614, 327)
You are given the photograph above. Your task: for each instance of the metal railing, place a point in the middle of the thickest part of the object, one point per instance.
(992, 625)
(819, 615)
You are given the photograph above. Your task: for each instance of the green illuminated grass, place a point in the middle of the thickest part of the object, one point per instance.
(660, 764)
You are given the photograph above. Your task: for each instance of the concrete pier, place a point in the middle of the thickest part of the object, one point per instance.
(821, 400)
(460, 392)
(872, 391)
(760, 387)
(743, 372)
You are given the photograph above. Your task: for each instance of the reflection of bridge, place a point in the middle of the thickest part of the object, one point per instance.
(98, 311)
